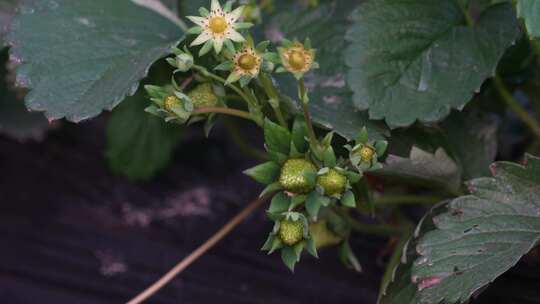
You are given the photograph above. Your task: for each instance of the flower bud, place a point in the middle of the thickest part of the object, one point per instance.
(184, 62)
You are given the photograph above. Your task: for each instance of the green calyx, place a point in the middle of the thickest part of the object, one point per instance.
(203, 96)
(291, 232)
(293, 175)
(333, 182)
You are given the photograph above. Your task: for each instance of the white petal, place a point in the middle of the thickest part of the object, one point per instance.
(197, 20)
(215, 6)
(218, 45)
(235, 36)
(202, 38)
(234, 15)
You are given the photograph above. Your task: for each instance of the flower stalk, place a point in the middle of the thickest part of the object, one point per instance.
(305, 108)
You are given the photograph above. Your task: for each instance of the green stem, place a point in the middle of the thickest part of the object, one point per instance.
(227, 111)
(274, 100)
(246, 148)
(514, 105)
(388, 200)
(307, 116)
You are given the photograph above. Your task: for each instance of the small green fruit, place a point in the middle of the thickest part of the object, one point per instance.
(292, 177)
(332, 182)
(203, 96)
(291, 232)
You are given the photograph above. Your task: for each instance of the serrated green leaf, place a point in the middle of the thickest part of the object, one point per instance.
(330, 99)
(81, 57)
(265, 173)
(529, 11)
(139, 145)
(480, 236)
(276, 138)
(416, 59)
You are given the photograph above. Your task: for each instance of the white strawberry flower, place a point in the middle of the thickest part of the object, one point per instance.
(217, 27)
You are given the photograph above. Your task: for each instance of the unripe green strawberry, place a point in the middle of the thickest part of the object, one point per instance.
(291, 232)
(292, 177)
(332, 182)
(203, 96)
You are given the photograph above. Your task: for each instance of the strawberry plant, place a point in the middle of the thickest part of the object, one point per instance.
(364, 107)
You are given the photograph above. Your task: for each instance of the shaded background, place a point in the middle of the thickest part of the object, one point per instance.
(71, 232)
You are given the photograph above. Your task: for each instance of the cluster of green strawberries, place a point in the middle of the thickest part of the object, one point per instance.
(309, 182)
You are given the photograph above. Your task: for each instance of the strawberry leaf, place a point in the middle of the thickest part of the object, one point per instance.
(417, 59)
(80, 57)
(475, 238)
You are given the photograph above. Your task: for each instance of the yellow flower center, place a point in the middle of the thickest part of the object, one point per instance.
(170, 102)
(297, 60)
(247, 62)
(218, 25)
(366, 153)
